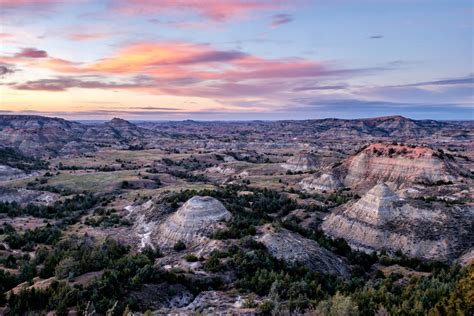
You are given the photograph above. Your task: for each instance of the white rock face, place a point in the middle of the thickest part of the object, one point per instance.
(293, 248)
(215, 303)
(382, 220)
(301, 162)
(221, 169)
(9, 173)
(324, 183)
(376, 206)
(193, 222)
(467, 258)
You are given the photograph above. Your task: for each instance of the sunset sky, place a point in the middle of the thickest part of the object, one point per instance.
(233, 60)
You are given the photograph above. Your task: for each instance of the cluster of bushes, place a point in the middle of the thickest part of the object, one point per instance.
(29, 238)
(13, 158)
(68, 210)
(122, 273)
(447, 291)
(192, 163)
(330, 200)
(107, 220)
(187, 176)
(256, 158)
(258, 272)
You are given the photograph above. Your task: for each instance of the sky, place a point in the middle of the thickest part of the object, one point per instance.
(237, 60)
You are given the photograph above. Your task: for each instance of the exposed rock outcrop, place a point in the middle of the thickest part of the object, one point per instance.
(9, 173)
(215, 303)
(192, 223)
(293, 248)
(301, 162)
(162, 295)
(400, 165)
(27, 196)
(382, 220)
(326, 182)
(221, 169)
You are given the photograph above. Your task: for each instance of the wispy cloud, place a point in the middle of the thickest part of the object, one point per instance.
(379, 36)
(316, 88)
(88, 36)
(443, 82)
(280, 19)
(214, 10)
(64, 83)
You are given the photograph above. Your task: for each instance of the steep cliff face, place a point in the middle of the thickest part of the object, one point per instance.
(293, 248)
(382, 220)
(192, 223)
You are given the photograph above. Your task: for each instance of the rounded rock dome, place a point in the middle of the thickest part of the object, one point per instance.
(194, 221)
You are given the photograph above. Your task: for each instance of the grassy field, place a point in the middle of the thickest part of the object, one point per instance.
(93, 182)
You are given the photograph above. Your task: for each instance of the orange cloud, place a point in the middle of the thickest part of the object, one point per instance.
(180, 69)
(182, 60)
(87, 36)
(159, 59)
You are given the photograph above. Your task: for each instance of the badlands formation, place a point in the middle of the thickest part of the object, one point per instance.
(399, 164)
(381, 220)
(293, 248)
(192, 223)
(302, 162)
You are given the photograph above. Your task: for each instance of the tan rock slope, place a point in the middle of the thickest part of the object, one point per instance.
(398, 164)
(381, 220)
(301, 162)
(293, 248)
(192, 223)
(326, 182)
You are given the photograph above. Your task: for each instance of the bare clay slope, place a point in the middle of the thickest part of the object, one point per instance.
(401, 165)
(293, 248)
(381, 220)
(192, 223)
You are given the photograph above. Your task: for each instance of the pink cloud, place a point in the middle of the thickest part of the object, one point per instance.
(178, 68)
(216, 10)
(87, 36)
(31, 53)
